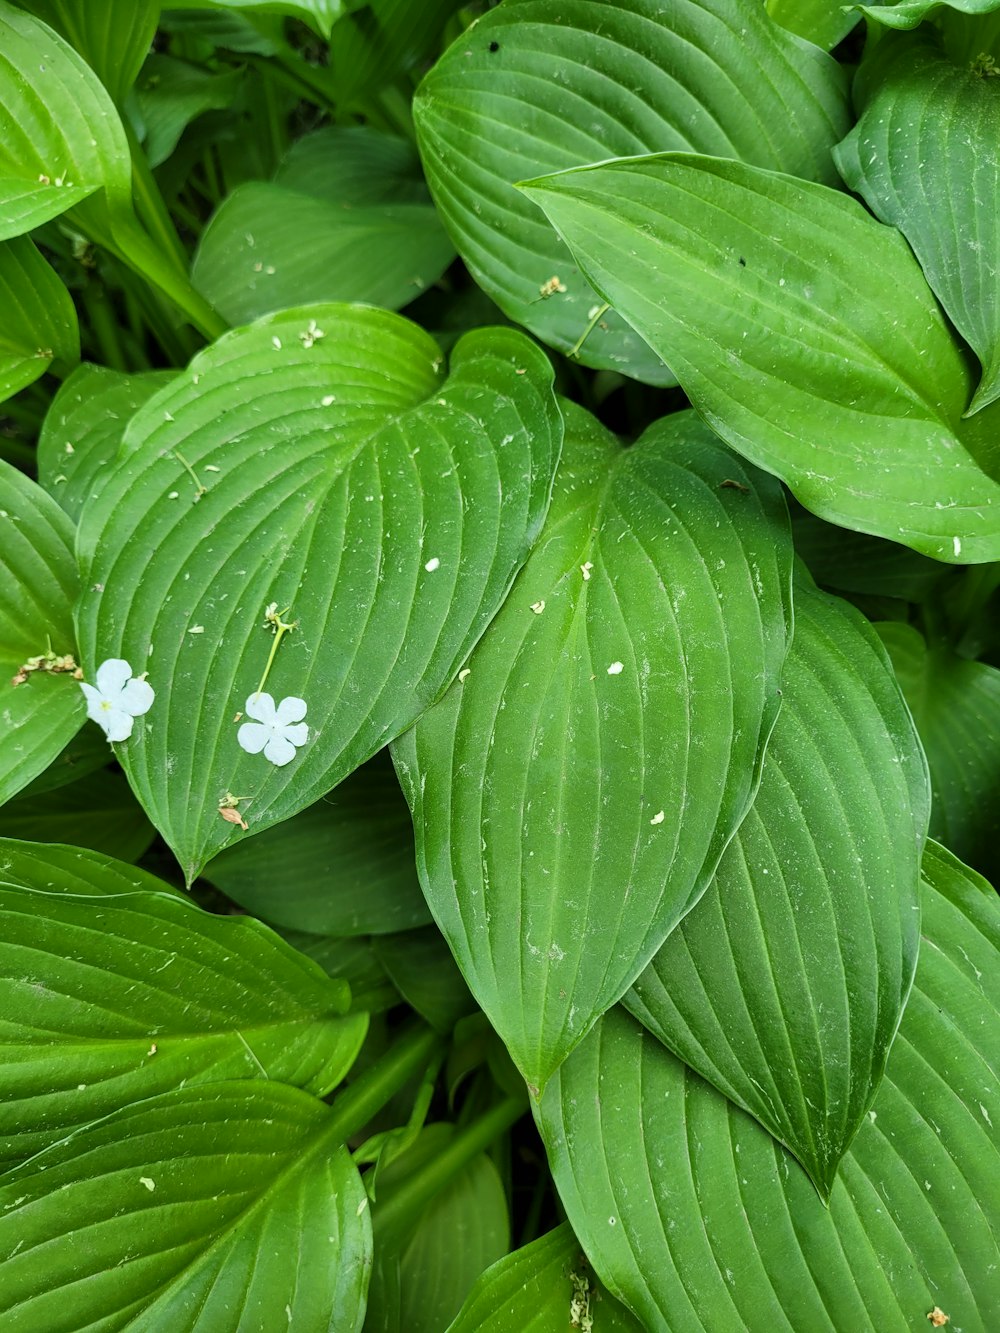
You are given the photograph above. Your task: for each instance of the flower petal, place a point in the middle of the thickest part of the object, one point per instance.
(112, 676)
(260, 707)
(96, 705)
(298, 735)
(136, 698)
(253, 737)
(290, 710)
(118, 724)
(279, 751)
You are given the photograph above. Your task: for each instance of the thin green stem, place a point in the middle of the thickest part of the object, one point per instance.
(575, 349)
(274, 618)
(361, 1100)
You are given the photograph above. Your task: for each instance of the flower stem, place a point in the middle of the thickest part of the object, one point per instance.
(273, 617)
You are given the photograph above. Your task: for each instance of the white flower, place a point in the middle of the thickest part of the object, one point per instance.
(117, 699)
(276, 731)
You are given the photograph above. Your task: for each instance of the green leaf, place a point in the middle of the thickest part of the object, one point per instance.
(171, 94)
(99, 813)
(856, 563)
(908, 13)
(419, 1281)
(39, 321)
(572, 794)
(85, 754)
(337, 475)
(825, 22)
(350, 960)
(38, 581)
(956, 706)
(784, 986)
(60, 136)
(342, 867)
(83, 429)
(347, 218)
(113, 37)
(72, 870)
(111, 995)
(319, 14)
(539, 1289)
(925, 156)
(746, 282)
(536, 86)
(424, 973)
(185, 1212)
(375, 43)
(691, 1213)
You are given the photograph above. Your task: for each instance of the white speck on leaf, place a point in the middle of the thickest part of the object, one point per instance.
(117, 698)
(616, 668)
(585, 570)
(150, 1184)
(329, 399)
(276, 343)
(957, 544)
(197, 629)
(277, 731)
(538, 607)
(658, 818)
(464, 673)
(432, 564)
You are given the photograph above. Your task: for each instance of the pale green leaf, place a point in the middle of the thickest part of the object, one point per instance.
(112, 994)
(825, 22)
(784, 986)
(347, 218)
(536, 86)
(197, 1211)
(573, 792)
(925, 156)
(342, 867)
(318, 460)
(956, 706)
(746, 282)
(38, 581)
(39, 324)
(99, 813)
(113, 36)
(692, 1214)
(908, 13)
(83, 429)
(538, 1289)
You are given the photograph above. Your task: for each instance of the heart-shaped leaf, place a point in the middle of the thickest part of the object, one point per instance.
(83, 429)
(314, 465)
(329, 227)
(113, 37)
(789, 934)
(696, 1218)
(112, 995)
(185, 1212)
(540, 85)
(956, 706)
(746, 282)
(39, 322)
(925, 156)
(574, 790)
(42, 712)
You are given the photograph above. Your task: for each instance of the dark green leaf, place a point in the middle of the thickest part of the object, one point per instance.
(784, 986)
(317, 461)
(99, 813)
(83, 429)
(746, 282)
(347, 218)
(113, 36)
(573, 793)
(185, 1212)
(85, 754)
(39, 322)
(693, 1214)
(38, 582)
(540, 85)
(111, 995)
(350, 960)
(424, 973)
(854, 562)
(342, 867)
(171, 94)
(376, 42)
(925, 156)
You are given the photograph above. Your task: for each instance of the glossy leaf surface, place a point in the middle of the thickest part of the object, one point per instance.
(113, 36)
(695, 1217)
(784, 985)
(746, 281)
(573, 792)
(536, 86)
(380, 506)
(39, 325)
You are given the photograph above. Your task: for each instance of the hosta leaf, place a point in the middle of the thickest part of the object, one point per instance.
(746, 282)
(84, 754)
(537, 86)
(347, 218)
(73, 870)
(925, 156)
(692, 1214)
(113, 37)
(855, 562)
(956, 706)
(39, 322)
(99, 813)
(540, 1289)
(784, 986)
(353, 961)
(424, 973)
(908, 13)
(573, 793)
(83, 429)
(38, 582)
(825, 22)
(342, 867)
(170, 94)
(318, 461)
(319, 14)
(60, 137)
(375, 42)
(185, 1212)
(112, 994)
